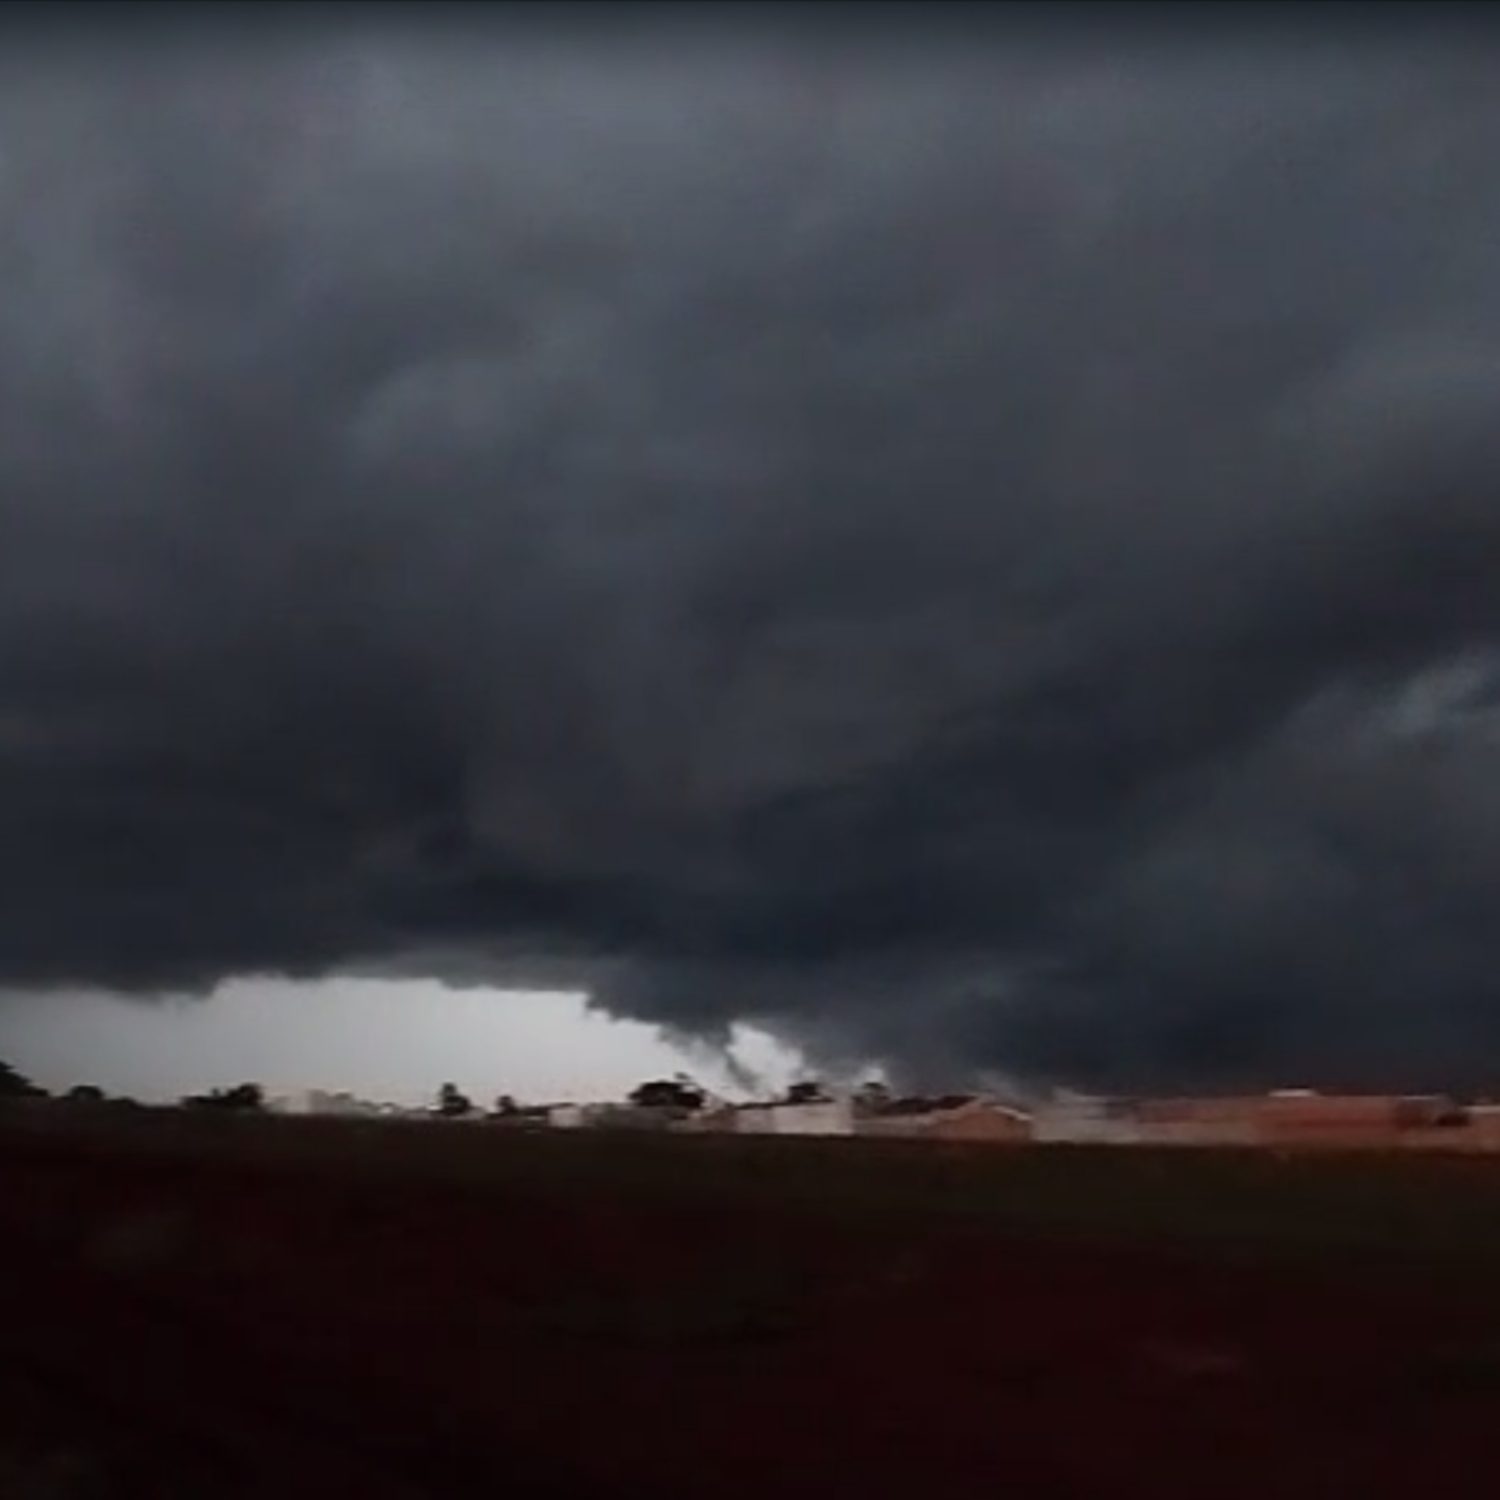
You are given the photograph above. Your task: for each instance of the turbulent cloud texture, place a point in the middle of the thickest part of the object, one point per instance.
(985, 553)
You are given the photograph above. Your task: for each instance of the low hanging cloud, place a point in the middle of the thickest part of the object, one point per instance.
(983, 554)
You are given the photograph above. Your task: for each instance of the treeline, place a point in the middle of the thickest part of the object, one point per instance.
(14, 1084)
(676, 1095)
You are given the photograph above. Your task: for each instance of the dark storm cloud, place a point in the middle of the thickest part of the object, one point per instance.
(985, 554)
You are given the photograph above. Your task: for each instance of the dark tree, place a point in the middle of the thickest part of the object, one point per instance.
(14, 1085)
(506, 1106)
(84, 1093)
(808, 1091)
(453, 1103)
(242, 1098)
(667, 1093)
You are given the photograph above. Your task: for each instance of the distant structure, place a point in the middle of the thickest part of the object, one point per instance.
(637, 1117)
(336, 1102)
(1308, 1118)
(1231, 1121)
(949, 1117)
(1279, 1120)
(1082, 1119)
(1283, 1118)
(823, 1116)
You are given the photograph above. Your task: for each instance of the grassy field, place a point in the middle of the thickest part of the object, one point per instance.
(201, 1305)
(1243, 1203)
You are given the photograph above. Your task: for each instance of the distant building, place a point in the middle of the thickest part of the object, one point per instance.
(1233, 1120)
(1473, 1128)
(1283, 1118)
(330, 1102)
(713, 1119)
(1081, 1119)
(520, 1117)
(951, 1117)
(814, 1117)
(632, 1117)
(1307, 1118)
(541, 1116)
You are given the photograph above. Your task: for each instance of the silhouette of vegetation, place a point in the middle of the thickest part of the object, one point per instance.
(85, 1093)
(668, 1093)
(808, 1091)
(453, 1103)
(16, 1085)
(243, 1097)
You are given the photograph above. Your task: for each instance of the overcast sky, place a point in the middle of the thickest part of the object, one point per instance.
(976, 547)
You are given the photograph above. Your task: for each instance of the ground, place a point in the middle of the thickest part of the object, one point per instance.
(216, 1307)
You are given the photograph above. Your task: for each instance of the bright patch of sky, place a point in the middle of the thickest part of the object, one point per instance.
(391, 1040)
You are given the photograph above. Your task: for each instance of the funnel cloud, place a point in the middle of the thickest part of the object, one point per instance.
(980, 554)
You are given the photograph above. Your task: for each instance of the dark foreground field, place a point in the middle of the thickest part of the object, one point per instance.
(224, 1307)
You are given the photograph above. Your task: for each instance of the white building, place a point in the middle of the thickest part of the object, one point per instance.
(330, 1102)
(819, 1117)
